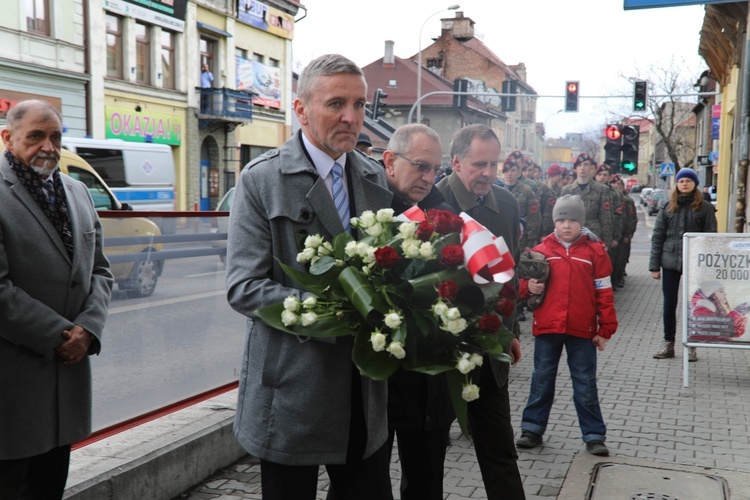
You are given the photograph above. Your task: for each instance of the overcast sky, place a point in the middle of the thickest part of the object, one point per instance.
(593, 41)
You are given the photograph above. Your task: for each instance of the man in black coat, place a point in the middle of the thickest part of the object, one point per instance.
(419, 406)
(475, 154)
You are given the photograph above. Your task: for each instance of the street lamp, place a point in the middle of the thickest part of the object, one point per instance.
(419, 59)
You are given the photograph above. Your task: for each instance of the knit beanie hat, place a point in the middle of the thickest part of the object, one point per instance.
(689, 173)
(569, 206)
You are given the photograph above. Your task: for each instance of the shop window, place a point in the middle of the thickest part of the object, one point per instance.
(114, 46)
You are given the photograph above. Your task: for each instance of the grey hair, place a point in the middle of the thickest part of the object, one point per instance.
(18, 112)
(461, 144)
(400, 141)
(327, 65)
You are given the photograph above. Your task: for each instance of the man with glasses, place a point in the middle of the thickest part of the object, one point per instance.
(419, 406)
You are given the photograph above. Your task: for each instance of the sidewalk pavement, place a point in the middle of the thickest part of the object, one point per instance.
(654, 424)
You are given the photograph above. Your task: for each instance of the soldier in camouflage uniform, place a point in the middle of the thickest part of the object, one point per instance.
(603, 176)
(554, 184)
(629, 223)
(527, 171)
(595, 197)
(528, 203)
(543, 192)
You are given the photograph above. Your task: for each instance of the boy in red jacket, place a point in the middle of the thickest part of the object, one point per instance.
(577, 313)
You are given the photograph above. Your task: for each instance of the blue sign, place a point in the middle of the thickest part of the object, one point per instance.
(713, 156)
(647, 4)
(666, 170)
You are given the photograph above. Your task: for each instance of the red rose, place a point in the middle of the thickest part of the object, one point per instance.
(508, 291)
(386, 257)
(425, 230)
(490, 323)
(505, 308)
(448, 290)
(442, 220)
(456, 223)
(452, 255)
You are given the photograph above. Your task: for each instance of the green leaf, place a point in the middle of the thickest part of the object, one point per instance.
(339, 244)
(327, 326)
(313, 284)
(362, 295)
(455, 386)
(375, 365)
(322, 265)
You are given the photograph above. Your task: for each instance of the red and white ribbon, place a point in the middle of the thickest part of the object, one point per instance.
(414, 214)
(483, 250)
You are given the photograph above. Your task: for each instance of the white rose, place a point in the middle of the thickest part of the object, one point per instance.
(313, 241)
(464, 366)
(476, 359)
(367, 219)
(470, 392)
(351, 249)
(375, 230)
(397, 349)
(455, 326)
(378, 341)
(408, 229)
(453, 313)
(354, 221)
(393, 319)
(439, 308)
(384, 215)
(410, 248)
(325, 249)
(309, 302)
(306, 255)
(291, 303)
(362, 248)
(308, 318)
(288, 318)
(426, 251)
(368, 256)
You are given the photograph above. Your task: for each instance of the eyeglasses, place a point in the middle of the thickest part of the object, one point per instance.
(424, 168)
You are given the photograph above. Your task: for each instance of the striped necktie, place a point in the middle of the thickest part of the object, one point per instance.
(339, 195)
(49, 190)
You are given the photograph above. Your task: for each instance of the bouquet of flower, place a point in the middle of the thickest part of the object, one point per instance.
(423, 291)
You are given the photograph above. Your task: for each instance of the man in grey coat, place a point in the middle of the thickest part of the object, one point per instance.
(302, 402)
(55, 285)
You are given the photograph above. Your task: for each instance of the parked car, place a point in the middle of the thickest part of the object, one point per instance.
(645, 193)
(656, 201)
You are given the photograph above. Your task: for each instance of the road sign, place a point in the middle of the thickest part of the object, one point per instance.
(703, 160)
(713, 156)
(666, 170)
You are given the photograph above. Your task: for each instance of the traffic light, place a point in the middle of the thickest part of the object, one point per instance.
(378, 104)
(571, 96)
(630, 142)
(612, 146)
(509, 103)
(640, 95)
(460, 85)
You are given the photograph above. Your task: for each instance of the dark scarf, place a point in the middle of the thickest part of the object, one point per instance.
(57, 213)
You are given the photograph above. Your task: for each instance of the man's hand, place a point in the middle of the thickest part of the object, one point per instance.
(613, 244)
(656, 275)
(535, 287)
(515, 351)
(75, 346)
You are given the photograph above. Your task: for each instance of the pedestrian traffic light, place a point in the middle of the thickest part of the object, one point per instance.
(640, 94)
(378, 104)
(460, 85)
(630, 142)
(612, 145)
(509, 103)
(571, 96)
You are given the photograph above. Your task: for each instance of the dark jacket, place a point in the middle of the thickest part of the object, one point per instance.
(415, 400)
(666, 240)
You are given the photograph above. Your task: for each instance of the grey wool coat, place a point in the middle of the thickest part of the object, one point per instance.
(44, 404)
(295, 394)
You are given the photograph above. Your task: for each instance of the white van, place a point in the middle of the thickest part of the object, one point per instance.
(140, 174)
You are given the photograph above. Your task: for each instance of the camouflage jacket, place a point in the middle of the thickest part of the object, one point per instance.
(547, 201)
(528, 204)
(598, 202)
(630, 220)
(618, 211)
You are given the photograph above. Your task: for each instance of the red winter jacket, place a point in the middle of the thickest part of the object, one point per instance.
(579, 299)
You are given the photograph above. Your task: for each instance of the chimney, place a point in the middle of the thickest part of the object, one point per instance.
(388, 59)
(459, 27)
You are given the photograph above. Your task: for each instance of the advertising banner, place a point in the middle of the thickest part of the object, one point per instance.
(263, 81)
(647, 4)
(715, 121)
(168, 14)
(130, 125)
(716, 288)
(266, 18)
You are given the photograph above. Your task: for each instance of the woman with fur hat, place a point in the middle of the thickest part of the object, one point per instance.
(686, 211)
(577, 313)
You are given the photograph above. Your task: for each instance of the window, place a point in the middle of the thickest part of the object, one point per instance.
(142, 53)
(102, 198)
(108, 163)
(258, 58)
(207, 53)
(37, 16)
(114, 46)
(242, 53)
(274, 63)
(167, 59)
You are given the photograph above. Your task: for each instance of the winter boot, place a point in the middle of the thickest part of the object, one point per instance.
(666, 351)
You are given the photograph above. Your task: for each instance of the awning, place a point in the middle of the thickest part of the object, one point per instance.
(212, 29)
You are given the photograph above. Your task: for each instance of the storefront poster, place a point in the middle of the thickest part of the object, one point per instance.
(9, 98)
(715, 121)
(263, 81)
(168, 14)
(266, 18)
(143, 126)
(716, 300)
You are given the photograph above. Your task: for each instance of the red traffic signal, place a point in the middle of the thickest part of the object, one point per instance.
(571, 96)
(612, 132)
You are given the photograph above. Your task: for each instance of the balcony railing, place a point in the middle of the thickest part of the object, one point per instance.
(225, 104)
